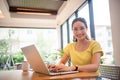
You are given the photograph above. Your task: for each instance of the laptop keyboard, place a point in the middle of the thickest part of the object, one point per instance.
(57, 72)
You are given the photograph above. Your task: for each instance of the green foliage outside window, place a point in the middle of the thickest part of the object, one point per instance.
(4, 54)
(18, 58)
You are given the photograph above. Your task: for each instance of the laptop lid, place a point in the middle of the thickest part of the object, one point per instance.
(33, 57)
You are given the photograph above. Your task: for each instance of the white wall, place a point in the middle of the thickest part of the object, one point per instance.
(115, 25)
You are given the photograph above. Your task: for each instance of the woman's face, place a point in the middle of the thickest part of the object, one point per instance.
(79, 30)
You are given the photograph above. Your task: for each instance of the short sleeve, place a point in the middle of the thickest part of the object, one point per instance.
(96, 47)
(67, 49)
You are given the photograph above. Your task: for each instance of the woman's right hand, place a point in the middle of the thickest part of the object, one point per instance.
(58, 68)
(51, 66)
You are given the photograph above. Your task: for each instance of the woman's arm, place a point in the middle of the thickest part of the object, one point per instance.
(64, 59)
(88, 68)
(94, 64)
(61, 65)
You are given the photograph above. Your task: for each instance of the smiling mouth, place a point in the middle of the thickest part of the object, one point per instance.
(79, 35)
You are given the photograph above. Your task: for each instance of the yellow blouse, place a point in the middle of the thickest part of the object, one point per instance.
(82, 57)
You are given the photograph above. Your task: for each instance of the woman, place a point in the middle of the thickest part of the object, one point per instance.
(84, 53)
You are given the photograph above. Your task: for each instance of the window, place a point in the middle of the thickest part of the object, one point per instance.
(103, 28)
(64, 32)
(46, 40)
(70, 27)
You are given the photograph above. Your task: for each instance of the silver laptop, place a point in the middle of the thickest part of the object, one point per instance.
(37, 64)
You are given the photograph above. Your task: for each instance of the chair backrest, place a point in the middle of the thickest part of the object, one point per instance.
(110, 71)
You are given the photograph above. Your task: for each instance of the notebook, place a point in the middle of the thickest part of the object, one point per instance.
(36, 63)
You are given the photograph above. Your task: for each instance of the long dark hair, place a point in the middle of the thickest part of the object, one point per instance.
(81, 20)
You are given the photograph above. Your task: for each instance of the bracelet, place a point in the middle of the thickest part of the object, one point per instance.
(76, 68)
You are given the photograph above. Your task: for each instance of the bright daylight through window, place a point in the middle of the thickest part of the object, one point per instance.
(12, 39)
(103, 29)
